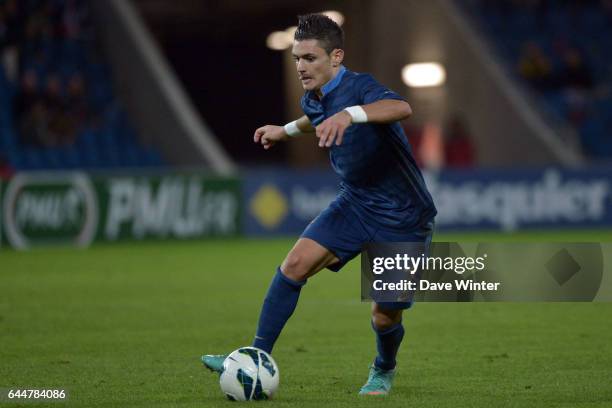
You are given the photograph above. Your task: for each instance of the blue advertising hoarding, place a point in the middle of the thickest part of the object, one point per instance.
(283, 202)
(509, 200)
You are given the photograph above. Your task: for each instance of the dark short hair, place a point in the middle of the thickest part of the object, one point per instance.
(321, 28)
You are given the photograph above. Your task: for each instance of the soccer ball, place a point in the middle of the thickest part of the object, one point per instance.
(249, 374)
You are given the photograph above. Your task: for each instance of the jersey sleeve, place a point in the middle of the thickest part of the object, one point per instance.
(371, 91)
(312, 110)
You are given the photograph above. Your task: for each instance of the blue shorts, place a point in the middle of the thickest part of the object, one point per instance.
(340, 229)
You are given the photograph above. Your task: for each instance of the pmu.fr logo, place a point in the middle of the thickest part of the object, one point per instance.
(43, 209)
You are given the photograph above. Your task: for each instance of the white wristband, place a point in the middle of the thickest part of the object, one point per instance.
(357, 113)
(291, 129)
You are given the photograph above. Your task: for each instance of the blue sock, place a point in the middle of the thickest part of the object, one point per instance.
(387, 344)
(277, 308)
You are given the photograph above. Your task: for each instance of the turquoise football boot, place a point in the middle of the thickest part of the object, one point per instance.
(214, 362)
(379, 382)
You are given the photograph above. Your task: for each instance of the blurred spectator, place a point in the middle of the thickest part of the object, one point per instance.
(72, 19)
(6, 171)
(415, 139)
(574, 72)
(77, 101)
(431, 149)
(535, 66)
(458, 145)
(10, 25)
(62, 127)
(31, 112)
(577, 106)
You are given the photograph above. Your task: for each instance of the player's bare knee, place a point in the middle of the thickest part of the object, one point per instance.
(295, 267)
(383, 320)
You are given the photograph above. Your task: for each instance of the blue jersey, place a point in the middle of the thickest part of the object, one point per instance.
(379, 175)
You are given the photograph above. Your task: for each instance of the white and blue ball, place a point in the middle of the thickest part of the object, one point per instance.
(249, 374)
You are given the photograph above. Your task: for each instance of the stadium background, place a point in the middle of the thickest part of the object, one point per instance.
(125, 128)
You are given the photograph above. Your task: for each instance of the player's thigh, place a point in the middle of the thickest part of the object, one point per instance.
(306, 258)
(339, 230)
(391, 312)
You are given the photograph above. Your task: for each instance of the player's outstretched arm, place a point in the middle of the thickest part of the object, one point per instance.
(387, 111)
(304, 125)
(382, 111)
(269, 135)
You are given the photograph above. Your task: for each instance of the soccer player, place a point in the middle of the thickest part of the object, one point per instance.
(382, 197)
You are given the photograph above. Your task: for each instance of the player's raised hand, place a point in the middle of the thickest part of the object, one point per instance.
(268, 135)
(333, 128)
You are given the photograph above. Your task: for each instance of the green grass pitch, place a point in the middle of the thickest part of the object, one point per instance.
(124, 326)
